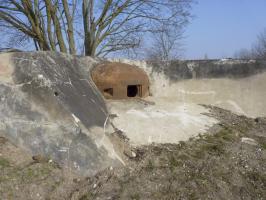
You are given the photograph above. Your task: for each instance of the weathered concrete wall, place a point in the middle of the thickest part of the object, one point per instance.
(244, 96)
(49, 105)
(179, 70)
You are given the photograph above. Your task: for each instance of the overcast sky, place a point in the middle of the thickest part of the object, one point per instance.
(221, 27)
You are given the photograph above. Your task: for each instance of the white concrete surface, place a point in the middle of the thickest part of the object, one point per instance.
(168, 121)
(245, 96)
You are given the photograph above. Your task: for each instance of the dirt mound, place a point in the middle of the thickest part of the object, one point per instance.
(23, 178)
(227, 163)
(219, 165)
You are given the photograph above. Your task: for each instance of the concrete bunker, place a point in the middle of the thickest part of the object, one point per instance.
(120, 81)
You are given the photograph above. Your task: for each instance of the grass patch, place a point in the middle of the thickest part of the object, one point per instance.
(183, 157)
(35, 173)
(4, 163)
(263, 145)
(213, 144)
(135, 196)
(87, 196)
(173, 163)
(199, 153)
(150, 165)
(214, 149)
(226, 134)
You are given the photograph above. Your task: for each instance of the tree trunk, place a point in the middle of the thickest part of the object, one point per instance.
(70, 29)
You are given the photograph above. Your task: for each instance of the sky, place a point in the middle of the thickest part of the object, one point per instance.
(221, 27)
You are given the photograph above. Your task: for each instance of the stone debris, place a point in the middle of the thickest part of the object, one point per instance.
(40, 159)
(249, 141)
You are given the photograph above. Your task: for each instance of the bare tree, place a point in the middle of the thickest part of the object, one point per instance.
(259, 49)
(41, 20)
(120, 24)
(165, 44)
(244, 54)
(107, 25)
